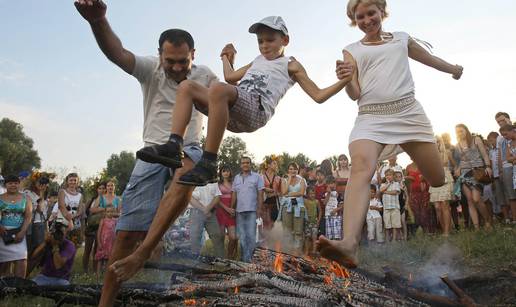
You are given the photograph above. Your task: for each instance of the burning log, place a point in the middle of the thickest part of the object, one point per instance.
(464, 299)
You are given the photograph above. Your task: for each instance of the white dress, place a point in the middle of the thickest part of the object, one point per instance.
(388, 111)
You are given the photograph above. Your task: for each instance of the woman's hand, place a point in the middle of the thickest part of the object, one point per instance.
(489, 172)
(19, 236)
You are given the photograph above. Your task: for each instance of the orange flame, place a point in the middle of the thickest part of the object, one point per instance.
(278, 261)
(190, 302)
(236, 290)
(336, 269)
(328, 280)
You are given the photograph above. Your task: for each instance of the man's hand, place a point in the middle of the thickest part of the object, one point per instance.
(91, 10)
(229, 51)
(343, 69)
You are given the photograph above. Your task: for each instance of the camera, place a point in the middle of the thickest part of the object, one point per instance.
(293, 201)
(56, 229)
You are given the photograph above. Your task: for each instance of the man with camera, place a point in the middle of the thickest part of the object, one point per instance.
(55, 256)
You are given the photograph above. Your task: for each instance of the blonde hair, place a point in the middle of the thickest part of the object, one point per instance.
(352, 6)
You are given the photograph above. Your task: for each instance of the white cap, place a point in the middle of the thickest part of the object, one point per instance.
(273, 22)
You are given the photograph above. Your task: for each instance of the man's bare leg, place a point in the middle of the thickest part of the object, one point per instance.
(364, 154)
(170, 208)
(125, 243)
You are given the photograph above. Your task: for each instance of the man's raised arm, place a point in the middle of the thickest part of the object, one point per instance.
(94, 11)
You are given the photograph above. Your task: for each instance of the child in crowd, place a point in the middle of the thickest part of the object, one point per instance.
(389, 116)
(333, 209)
(245, 107)
(320, 191)
(398, 177)
(312, 221)
(106, 237)
(391, 206)
(374, 219)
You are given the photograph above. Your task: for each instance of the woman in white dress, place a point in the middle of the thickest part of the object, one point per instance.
(389, 116)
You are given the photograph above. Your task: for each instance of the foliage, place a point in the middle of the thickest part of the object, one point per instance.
(300, 159)
(120, 166)
(230, 152)
(16, 149)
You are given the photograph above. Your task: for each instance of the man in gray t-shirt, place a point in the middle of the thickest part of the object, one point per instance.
(159, 78)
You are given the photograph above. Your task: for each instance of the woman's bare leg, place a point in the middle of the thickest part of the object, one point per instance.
(445, 218)
(481, 207)
(364, 154)
(472, 209)
(20, 268)
(427, 158)
(232, 243)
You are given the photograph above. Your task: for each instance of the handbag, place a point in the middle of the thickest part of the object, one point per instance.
(480, 175)
(9, 235)
(93, 221)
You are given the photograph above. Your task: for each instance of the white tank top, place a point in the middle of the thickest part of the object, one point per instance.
(269, 79)
(383, 70)
(72, 201)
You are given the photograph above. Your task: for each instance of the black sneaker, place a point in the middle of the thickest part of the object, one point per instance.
(204, 172)
(169, 154)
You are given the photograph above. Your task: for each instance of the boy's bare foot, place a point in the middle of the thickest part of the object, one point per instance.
(338, 251)
(127, 267)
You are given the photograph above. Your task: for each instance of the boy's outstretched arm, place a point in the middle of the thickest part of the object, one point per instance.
(420, 54)
(298, 73)
(231, 75)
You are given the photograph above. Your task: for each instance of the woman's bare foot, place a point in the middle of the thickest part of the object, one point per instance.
(340, 251)
(127, 267)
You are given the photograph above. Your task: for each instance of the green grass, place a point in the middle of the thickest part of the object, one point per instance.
(464, 253)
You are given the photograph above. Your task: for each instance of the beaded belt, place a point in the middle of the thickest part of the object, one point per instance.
(387, 108)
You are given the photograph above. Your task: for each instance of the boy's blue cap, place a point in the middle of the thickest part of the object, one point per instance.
(24, 174)
(273, 22)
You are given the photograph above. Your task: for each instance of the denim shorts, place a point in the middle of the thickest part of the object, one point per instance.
(143, 193)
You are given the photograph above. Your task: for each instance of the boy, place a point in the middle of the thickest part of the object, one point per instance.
(403, 197)
(333, 207)
(391, 206)
(245, 107)
(320, 191)
(374, 219)
(312, 227)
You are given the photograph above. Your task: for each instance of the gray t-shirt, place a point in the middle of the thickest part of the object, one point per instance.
(159, 99)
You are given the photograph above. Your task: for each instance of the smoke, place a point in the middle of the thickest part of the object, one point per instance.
(443, 261)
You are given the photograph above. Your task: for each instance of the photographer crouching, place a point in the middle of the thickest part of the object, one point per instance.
(55, 256)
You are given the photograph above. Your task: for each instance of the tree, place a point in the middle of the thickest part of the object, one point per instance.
(300, 159)
(120, 167)
(230, 152)
(16, 149)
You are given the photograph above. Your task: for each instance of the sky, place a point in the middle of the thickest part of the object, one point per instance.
(79, 108)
